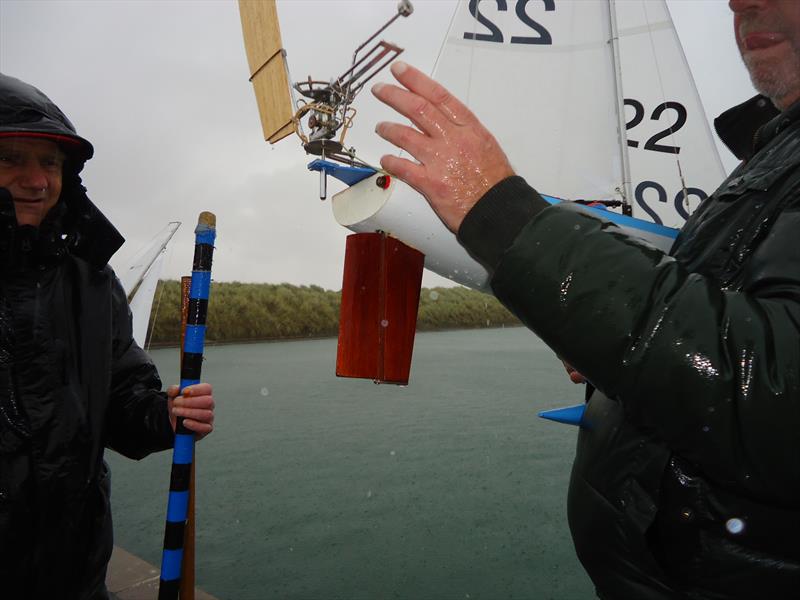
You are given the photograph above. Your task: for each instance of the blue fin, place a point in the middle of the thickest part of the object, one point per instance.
(569, 415)
(349, 175)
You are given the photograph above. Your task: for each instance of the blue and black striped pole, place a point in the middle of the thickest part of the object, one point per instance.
(191, 364)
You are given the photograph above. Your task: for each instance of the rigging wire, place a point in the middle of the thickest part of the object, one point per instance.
(664, 98)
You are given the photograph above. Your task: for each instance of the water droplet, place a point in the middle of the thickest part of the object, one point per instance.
(706, 428)
(577, 227)
(391, 453)
(369, 493)
(434, 295)
(711, 409)
(734, 526)
(384, 323)
(686, 513)
(264, 391)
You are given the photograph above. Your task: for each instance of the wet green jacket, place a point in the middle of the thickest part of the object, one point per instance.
(686, 481)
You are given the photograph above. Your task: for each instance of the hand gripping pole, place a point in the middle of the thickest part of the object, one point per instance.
(191, 364)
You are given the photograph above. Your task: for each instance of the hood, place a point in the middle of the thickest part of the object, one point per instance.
(27, 111)
(24, 110)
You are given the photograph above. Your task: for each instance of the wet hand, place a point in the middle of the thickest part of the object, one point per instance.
(457, 158)
(195, 405)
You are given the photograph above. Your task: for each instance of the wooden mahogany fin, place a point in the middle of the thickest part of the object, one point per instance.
(380, 299)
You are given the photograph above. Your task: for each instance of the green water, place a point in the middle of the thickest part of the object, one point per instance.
(314, 487)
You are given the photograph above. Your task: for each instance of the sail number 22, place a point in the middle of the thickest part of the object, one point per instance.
(495, 35)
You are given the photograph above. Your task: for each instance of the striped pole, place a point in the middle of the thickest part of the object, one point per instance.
(191, 364)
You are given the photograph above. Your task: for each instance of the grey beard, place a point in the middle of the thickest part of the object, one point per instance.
(776, 84)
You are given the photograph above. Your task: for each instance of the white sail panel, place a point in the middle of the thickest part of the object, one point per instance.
(541, 76)
(140, 277)
(542, 81)
(132, 274)
(667, 126)
(142, 302)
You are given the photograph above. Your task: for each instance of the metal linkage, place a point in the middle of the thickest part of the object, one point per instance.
(329, 106)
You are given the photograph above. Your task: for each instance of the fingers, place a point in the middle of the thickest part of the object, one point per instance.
(198, 389)
(406, 138)
(432, 91)
(418, 110)
(574, 376)
(402, 168)
(173, 391)
(200, 429)
(203, 402)
(201, 415)
(195, 406)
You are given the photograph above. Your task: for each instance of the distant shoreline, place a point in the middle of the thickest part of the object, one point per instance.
(242, 313)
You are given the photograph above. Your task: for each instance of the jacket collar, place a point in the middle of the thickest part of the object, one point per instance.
(74, 224)
(747, 127)
(90, 235)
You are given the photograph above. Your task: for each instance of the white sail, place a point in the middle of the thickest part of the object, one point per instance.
(140, 277)
(668, 134)
(541, 76)
(142, 302)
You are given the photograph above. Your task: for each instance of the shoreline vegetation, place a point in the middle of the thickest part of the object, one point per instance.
(263, 312)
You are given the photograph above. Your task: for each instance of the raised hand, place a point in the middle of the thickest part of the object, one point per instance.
(457, 159)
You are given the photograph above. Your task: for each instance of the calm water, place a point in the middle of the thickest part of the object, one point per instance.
(315, 487)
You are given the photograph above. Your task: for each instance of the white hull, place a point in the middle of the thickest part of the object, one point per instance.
(366, 207)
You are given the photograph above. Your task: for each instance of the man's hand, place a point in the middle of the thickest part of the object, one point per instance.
(574, 376)
(458, 160)
(196, 406)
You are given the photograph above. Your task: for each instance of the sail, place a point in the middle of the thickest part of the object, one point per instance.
(669, 142)
(268, 71)
(140, 277)
(142, 302)
(542, 77)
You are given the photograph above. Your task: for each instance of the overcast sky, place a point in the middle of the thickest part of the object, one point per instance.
(161, 89)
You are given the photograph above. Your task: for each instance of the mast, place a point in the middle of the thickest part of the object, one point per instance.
(620, 104)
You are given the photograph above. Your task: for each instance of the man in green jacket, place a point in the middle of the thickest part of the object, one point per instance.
(686, 481)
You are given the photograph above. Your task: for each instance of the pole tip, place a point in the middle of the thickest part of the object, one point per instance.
(207, 219)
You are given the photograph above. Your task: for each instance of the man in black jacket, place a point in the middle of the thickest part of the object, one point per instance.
(72, 379)
(686, 481)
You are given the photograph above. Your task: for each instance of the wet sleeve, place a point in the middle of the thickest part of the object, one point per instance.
(492, 224)
(713, 372)
(138, 418)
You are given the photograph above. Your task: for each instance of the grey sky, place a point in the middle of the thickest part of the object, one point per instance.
(161, 89)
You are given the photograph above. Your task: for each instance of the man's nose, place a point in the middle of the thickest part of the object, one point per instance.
(33, 176)
(739, 6)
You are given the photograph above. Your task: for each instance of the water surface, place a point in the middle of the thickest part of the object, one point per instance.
(314, 487)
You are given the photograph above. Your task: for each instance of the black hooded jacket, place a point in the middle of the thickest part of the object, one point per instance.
(72, 380)
(686, 480)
